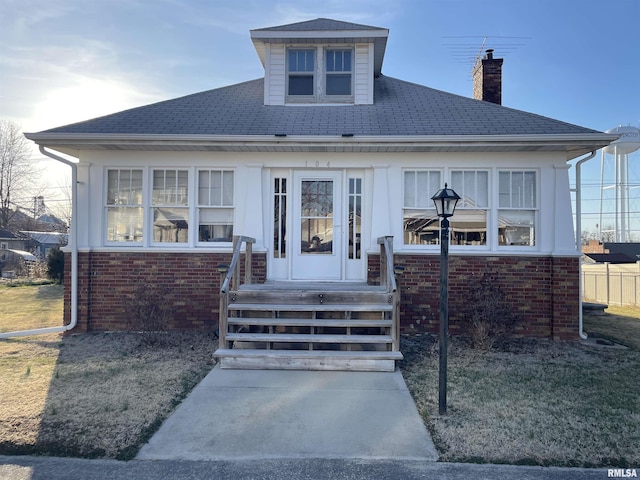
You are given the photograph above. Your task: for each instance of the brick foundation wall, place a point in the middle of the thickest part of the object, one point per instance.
(543, 290)
(107, 279)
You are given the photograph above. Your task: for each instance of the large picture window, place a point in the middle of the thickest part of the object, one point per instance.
(517, 197)
(421, 224)
(170, 200)
(215, 205)
(469, 224)
(124, 208)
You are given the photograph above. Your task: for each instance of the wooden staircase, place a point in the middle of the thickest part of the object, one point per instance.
(310, 326)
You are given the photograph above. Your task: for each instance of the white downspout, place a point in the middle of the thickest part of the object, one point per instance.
(73, 243)
(579, 233)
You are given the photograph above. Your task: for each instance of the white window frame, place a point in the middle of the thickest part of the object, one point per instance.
(421, 203)
(326, 73)
(224, 203)
(466, 203)
(135, 241)
(521, 205)
(293, 98)
(177, 203)
(320, 74)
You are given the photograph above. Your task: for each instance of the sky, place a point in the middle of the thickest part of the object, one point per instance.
(63, 61)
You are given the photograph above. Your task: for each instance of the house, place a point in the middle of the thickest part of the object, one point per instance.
(39, 243)
(322, 172)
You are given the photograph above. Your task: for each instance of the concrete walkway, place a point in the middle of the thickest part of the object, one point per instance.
(280, 414)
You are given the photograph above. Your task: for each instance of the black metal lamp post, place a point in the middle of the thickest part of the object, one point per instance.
(445, 201)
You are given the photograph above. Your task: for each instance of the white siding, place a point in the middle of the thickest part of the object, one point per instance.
(363, 84)
(275, 75)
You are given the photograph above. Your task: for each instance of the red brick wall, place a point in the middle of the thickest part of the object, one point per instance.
(106, 281)
(543, 290)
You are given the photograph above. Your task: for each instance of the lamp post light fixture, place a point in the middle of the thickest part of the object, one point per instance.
(445, 200)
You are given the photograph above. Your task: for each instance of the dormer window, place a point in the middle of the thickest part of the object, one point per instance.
(319, 74)
(339, 72)
(301, 69)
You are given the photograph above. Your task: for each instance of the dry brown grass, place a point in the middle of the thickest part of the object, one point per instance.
(619, 324)
(89, 395)
(539, 402)
(93, 395)
(27, 307)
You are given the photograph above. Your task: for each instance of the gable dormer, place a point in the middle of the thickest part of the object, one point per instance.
(320, 61)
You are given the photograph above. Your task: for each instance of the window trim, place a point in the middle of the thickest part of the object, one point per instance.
(152, 206)
(197, 205)
(535, 210)
(488, 208)
(106, 206)
(320, 73)
(493, 209)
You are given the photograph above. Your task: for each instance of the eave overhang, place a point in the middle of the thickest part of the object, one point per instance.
(574, 145)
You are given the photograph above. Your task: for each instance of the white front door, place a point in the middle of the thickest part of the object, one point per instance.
(317, 236)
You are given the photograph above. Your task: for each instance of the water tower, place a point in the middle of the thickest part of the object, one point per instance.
(628, 142)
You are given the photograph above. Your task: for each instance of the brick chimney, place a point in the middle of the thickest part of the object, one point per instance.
(487, 79)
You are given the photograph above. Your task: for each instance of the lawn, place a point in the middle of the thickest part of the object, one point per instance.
(534, 401)
(530, 402)
(87, 395)
(25, 307)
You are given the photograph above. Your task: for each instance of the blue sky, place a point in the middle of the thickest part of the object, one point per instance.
(578, 61)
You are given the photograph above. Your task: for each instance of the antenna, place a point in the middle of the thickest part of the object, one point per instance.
(465, 48)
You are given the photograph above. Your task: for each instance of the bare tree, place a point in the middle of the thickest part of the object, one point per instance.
(16, 172)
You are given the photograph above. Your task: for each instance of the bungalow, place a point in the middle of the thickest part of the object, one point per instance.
(320, 177)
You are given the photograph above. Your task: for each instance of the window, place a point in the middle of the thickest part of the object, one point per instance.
(420, 222)
(301, 67)
(355, 218)
(338, 72)
(469, 224)
(124, 209)
(517, 208)
(215, 205)
(279, 218)
(170, 200)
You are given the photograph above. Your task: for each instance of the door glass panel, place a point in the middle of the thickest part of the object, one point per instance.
(316, 220)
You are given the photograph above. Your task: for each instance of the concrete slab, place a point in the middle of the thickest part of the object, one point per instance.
(258, 414)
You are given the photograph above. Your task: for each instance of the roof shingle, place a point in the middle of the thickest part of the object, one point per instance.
(400, 109)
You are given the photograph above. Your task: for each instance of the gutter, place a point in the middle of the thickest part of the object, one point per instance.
(578, 191)
(73, 243)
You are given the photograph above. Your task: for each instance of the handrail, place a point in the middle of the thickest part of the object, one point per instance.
(238, 240)
(386, 263)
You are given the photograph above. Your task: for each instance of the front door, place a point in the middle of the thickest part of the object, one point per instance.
(317, 240)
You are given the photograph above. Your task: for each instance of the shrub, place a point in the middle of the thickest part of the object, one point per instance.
(149, 310)
(489, 315)
(55, 264)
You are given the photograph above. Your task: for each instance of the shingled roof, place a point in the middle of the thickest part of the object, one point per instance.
(317, 25)
(400, 109)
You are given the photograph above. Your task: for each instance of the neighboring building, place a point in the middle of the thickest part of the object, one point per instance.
(612, 252)
(39, 243)
(316, 161)
(9, 240)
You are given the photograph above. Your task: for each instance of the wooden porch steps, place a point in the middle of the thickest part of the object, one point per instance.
(308, 359)
(318, 326)
(308, 325)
